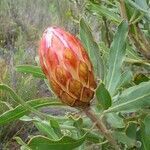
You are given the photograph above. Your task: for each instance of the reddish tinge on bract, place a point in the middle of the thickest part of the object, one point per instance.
(67, 66)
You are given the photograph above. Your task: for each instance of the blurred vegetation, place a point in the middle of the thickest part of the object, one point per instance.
(21, 25)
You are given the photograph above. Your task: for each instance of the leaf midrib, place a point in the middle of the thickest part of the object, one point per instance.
(114, 63)
(131, 101)
(21, 112)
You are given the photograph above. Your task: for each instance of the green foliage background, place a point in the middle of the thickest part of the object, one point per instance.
(119, 51)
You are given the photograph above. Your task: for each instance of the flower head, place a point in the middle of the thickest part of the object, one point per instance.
(67, 66)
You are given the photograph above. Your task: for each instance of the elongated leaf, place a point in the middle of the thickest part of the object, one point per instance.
(101, 10)
(56, 128)
(142, 3)
(115, 121)
(144, 133)
(140, 78)
(117, 53)
(34, 70)
(66, 143)
(139, 62)
(18, 99)
(133, 98)
(45, 129)
(103, 96)
(132, 53)
(144, 136)
(20, 111)
(123, 138)
(91, 136)
(22, 143)
(94, 137)
(92, 48)
(132, 14)
(141, 6)
(11, 92)
(131, 130)
(125, 79)
(133, 57)
(147, 125)
(5, 106)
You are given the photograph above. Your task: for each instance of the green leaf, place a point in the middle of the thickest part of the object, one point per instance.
(131, 130)
(5, 106)
(20, 100)
(115, 121)
(20, 111)
(101, 10)
(94, 137)
(140, 78)
(55, 126)
(11, 92)
(66, 143)
(22, 143)
(141, 6)
(126, 78)
(116, 56)
(132, 99)
(45, 129)
(132, 14)
(103, 96)
(78, 123)
(34, 70)
(137, 62)
(92, 48)
(145, 133)
(132, 53)
(134, 58)
(16, 97)
(147, 125)
(123, 138)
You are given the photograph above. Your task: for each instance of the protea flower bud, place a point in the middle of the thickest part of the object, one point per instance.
(67, 67)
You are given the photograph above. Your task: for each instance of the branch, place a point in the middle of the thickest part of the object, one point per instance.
(101, 127)
(123, 10)
(140, 40)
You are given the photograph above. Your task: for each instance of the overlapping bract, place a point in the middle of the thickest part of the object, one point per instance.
(67, 67)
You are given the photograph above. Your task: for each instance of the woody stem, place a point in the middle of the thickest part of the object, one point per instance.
(101, 127)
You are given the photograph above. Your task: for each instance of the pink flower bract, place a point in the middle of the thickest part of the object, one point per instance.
(67, 66)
